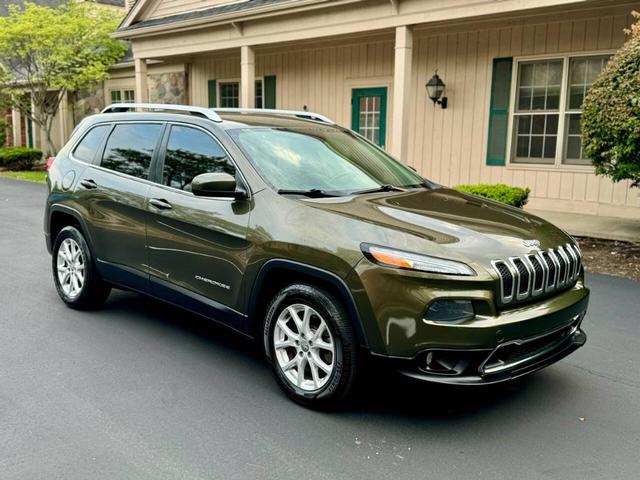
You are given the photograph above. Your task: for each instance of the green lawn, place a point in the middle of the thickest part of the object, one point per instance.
(30, 176)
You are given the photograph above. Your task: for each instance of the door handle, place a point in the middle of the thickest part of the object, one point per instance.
(160, 203)
(88, 184)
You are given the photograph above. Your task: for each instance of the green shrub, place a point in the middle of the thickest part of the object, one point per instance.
(19, 158)
(611, 115)
(514, 196)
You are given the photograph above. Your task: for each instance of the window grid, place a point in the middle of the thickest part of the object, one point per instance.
(582, 73)
(369, 125)
(123, 96)
(568, 119)
(229, 94)
(129, 96)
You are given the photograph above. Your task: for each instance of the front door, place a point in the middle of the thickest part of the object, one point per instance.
(369, 113)
(197, 245)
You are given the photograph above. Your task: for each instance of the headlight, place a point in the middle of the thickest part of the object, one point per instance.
(413, 261)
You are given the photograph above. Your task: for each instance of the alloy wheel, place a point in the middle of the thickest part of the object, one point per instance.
(304, 347)
(71, 267)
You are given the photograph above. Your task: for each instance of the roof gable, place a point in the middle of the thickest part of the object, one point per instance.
(145, 10)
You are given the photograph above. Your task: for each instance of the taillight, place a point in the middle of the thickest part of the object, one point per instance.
(50, 162)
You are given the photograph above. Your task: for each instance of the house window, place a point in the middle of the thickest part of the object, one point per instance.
(129, 96)
(259, 93)
(230, 94)
(582, 73)
(548, 106)
(123, 96)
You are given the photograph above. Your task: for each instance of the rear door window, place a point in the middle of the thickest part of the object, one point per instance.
(88, 146)
(130, 148)
(191, 152)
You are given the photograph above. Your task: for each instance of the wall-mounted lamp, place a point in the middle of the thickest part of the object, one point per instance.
(435, 88)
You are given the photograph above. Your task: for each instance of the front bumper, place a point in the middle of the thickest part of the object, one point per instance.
(507, 361)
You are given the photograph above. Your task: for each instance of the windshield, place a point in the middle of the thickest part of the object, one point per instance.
(320, 158)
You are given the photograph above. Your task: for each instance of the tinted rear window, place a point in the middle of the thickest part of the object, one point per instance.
(86, 149)
(130, 148)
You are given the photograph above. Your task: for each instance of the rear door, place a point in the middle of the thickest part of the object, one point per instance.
(113, 192)
(197, 245)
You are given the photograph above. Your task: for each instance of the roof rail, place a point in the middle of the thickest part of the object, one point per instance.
(291, 113)
(201, 111)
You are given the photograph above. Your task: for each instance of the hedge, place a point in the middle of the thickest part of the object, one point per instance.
(19, 158)
(514, 196)
(611, 114)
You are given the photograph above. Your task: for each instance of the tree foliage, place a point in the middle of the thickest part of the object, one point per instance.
(611, 114)
(46, 52)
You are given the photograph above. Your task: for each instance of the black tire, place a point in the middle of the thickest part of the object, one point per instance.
(94, 291)
(340, 382)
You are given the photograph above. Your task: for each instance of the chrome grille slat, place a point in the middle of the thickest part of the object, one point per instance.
(527, 276)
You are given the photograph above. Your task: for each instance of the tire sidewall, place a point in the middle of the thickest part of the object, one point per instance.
(326, 307)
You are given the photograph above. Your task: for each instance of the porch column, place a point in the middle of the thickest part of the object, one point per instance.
(16, 123)
(401, 93)
(142, 88)
(247, 77)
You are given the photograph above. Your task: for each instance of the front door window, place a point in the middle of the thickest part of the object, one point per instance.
(369, 113)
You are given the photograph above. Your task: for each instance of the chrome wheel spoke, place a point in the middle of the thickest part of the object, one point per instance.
(323, 366)
(306, 318)
(286, 330)
(302, 364)
(314, 372)
(290, 364)
(296, 319)
(321, 344)
(285, 343)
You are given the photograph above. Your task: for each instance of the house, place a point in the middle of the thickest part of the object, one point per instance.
(21, 130)
(514, 74)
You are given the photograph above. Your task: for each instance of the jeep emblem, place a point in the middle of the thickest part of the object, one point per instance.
(531, 243)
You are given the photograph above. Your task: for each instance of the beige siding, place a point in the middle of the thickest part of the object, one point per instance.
(165, 8)
(319, 78)
(449, 146)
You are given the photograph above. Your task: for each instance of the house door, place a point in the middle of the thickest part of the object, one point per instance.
(369, 113)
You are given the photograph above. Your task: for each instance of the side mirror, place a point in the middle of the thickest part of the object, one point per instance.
(216, 185)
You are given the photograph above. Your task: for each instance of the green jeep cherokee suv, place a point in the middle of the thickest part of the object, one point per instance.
(300, 233)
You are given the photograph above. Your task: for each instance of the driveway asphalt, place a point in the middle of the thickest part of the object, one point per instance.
(142, 390)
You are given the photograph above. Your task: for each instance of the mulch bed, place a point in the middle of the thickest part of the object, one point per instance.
(611, 257)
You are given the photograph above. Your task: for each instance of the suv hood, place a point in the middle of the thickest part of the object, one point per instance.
(471, 226)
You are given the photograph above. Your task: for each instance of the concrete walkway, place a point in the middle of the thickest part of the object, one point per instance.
(612, 228)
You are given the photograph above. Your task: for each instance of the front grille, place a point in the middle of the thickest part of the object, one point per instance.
(528, 276)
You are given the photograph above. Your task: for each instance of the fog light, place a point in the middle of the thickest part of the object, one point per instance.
(450, 311)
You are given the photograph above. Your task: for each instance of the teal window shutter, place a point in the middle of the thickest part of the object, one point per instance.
(499, 111)
(270, 91)
(211, 85)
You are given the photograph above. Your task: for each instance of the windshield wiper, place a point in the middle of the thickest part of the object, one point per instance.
(382, 188)
(311, 193)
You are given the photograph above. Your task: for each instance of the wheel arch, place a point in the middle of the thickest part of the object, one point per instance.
(275, 274)
(61, 216)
